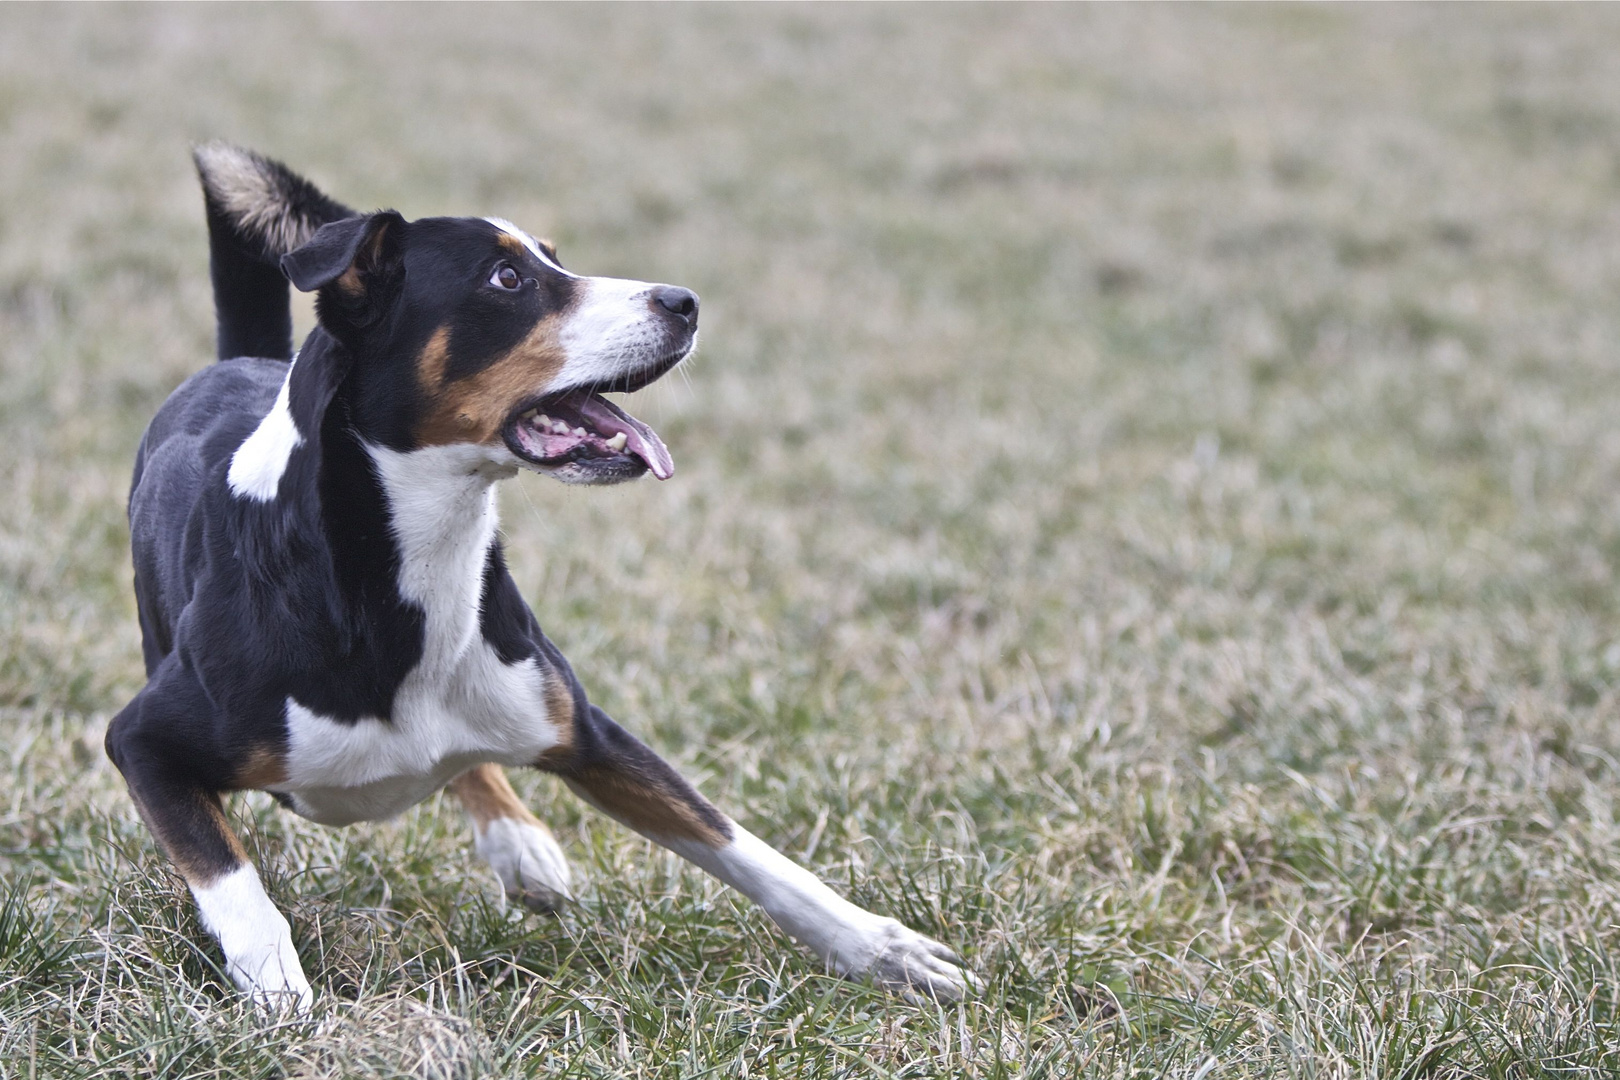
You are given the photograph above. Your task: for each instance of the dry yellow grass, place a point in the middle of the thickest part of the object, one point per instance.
(1147, 511)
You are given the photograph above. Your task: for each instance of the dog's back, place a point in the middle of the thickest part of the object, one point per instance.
(257, 211)
(190, 438)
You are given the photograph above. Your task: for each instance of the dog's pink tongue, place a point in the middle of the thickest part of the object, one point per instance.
(640, 439)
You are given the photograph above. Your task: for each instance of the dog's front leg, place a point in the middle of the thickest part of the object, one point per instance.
(516, 844)
(613, 771)
(146, 742)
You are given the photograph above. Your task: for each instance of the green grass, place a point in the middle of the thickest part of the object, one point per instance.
(1147, 513)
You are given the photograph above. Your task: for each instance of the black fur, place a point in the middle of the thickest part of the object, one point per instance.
(314, 545)
(250, 294)
(244, 603)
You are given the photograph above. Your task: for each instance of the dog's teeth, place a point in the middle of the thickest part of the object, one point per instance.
(544, 420)
(580, 432)
(618, 441)
(559, 427)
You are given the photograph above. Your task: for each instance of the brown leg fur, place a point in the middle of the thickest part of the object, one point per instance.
(518, 846)
(616, 773)
(486, 794)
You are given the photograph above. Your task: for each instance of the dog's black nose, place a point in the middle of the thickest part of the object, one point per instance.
(677, 301)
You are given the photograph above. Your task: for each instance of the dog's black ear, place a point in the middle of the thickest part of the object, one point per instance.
(356, 264)
(365, 244)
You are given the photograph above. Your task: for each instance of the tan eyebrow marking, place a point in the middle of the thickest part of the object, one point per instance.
(547, 256)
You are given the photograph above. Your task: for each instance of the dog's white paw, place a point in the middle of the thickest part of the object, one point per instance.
(256, 941)
(913, 965)
(850, 940)
(274, 978)
(525, 857)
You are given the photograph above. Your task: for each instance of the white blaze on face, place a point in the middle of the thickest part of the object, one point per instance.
(529, 242)
(610, 332)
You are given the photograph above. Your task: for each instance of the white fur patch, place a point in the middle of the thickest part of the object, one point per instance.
(529, 242)
(255, 938)
(461, 705)
(258, 464)
(523, 855)
(610, 332)
(441, 507)
(248, 190)
(850, 939)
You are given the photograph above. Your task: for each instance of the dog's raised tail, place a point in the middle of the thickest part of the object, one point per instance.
(258, 210)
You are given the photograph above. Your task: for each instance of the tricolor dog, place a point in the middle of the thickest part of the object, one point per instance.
(324, 607)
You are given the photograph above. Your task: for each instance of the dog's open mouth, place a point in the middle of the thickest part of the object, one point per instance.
(582, 427)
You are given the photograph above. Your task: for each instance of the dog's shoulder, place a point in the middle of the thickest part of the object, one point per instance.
(210, 413)
(192, 436)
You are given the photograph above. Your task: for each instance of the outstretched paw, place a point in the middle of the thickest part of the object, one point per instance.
(917, 967)
(531, 867)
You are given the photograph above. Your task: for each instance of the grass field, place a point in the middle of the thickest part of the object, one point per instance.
(1147, 513)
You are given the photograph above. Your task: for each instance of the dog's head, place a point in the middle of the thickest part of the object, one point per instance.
(469, 331)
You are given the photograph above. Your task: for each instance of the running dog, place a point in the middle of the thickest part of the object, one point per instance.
(325, 611)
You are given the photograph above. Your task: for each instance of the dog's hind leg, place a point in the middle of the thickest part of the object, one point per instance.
(613, 771)
(516, 844)
(148, 744)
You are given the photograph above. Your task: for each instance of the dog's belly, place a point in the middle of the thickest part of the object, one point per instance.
(339, 772)
(376, 801)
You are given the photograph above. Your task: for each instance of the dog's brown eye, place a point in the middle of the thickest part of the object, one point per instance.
(505, 277)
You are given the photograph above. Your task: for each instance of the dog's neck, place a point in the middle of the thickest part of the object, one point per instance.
(397, 524)
(422, 517)
(442, 517)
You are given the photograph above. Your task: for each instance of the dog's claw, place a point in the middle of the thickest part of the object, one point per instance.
(542, 901)
(918, 968)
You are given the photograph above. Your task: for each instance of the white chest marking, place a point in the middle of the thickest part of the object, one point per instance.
(461, 705)
(258, 463)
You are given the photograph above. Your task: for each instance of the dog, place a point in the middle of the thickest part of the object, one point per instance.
(325, 610)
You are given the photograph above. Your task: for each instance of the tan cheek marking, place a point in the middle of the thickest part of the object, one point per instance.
(472, 410)
(487, 795)
(263, 768)
(431, 364)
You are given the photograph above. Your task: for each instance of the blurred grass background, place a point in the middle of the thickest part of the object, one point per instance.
(1147, 511)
